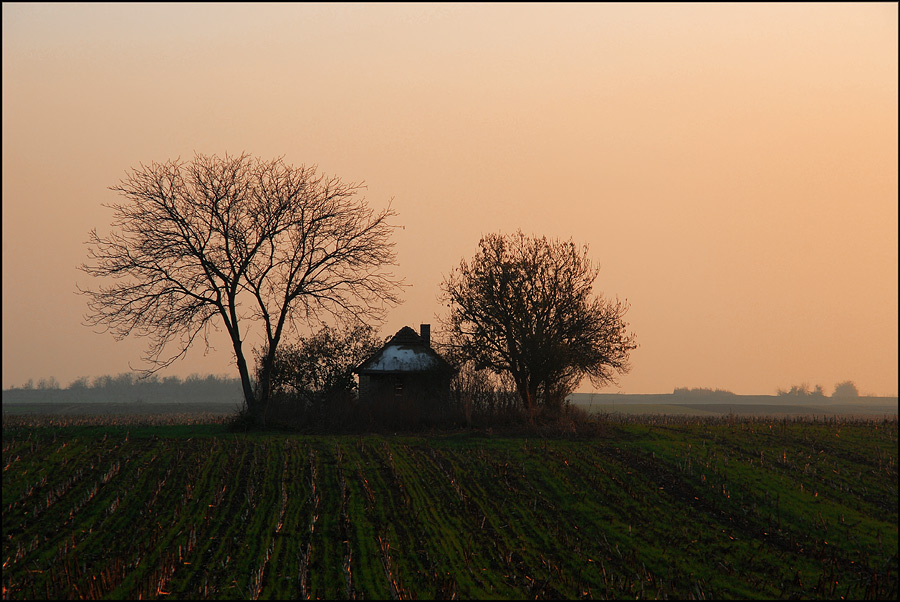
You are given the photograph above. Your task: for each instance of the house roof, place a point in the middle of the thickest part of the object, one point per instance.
(406, 336)
(405, 352)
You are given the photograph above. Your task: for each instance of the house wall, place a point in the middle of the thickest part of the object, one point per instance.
(408, 396)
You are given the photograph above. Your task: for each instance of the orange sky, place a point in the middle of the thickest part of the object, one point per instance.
(732, 167)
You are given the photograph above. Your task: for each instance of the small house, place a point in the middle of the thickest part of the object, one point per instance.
(406, 378)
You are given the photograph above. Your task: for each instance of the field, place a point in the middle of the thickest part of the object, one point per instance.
(739, 405)
(654, 507)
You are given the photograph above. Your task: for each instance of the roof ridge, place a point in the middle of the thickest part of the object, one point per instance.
(407, 335)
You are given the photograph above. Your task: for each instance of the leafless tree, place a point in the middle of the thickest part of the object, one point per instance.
(524, 306)
(237, 241)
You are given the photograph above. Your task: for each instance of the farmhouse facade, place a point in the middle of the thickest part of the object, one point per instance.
(406, 376)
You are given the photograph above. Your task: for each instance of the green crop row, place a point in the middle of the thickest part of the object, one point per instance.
(687, 509)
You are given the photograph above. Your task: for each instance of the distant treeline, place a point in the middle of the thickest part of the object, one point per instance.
(701, 392)
(126, 387)
(842, 389)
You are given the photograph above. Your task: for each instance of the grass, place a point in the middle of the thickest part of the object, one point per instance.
(653, 507)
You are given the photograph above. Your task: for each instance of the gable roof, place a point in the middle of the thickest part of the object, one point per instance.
(405, 352)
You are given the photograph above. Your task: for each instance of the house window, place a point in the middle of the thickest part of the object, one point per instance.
(398, 388)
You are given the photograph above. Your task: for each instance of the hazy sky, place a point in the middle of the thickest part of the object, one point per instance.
(732, 167)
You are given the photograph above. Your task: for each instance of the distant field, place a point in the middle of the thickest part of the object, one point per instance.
(742, 405)
(683, 508)
(118, 408)
(646, 408)
(718, 409)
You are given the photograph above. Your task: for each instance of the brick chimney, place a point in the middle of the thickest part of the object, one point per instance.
(425, 333)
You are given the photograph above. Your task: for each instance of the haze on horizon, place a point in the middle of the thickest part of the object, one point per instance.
(732, 167)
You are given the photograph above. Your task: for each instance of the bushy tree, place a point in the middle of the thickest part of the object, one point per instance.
(80, 384)
(319, 368)
(525, 306)
(845, 389)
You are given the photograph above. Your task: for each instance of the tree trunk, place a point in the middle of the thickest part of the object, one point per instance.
(255, 407)
(532, 401)
(553, 398)
(528, 395)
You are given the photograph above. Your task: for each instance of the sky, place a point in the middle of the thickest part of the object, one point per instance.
(731, 167)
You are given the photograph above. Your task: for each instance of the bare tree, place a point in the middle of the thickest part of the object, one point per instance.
(524, 306)
(232, 241)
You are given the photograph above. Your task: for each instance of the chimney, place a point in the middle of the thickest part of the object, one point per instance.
(425, 333)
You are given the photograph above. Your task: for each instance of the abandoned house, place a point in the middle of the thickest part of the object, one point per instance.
(407, 376)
